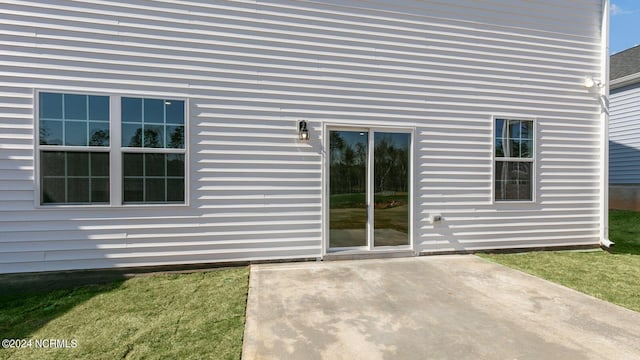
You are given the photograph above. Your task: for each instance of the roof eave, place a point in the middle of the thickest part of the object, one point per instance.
(625, 81)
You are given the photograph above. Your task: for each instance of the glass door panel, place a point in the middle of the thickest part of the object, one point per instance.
(391, 191)
(348, 210)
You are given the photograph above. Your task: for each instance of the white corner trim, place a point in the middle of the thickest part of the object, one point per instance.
(604, 126)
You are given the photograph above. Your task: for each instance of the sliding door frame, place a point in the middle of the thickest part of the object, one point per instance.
(371, 130)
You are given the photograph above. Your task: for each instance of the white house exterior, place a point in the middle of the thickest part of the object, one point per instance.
(624, 130)
(139, 133)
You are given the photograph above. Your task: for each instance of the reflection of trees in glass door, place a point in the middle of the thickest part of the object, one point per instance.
(348, 211)
(391, 156)
(368, 205)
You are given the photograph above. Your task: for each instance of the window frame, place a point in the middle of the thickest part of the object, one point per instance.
(115, 151)
(532, 160)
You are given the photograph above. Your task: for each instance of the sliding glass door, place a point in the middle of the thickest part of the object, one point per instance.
(369, 188)
(391, 155)
(348, 210)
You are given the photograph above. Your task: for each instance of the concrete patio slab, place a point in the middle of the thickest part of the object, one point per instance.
(444, 307)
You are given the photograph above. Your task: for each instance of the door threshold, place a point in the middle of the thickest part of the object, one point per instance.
(366, 254)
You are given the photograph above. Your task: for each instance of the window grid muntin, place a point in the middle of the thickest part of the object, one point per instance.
(65, 176)
(64, 120)
(143, 124)
(144, 177)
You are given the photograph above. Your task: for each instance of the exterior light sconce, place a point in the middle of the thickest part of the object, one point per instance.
(590, 82)
(303, 130)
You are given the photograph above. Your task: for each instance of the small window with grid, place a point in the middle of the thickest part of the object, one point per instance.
(514, 160)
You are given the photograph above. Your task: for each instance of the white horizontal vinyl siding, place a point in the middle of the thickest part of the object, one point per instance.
(252, 69)
(624, 136)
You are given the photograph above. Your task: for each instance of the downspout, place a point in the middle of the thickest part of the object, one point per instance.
(604, 133)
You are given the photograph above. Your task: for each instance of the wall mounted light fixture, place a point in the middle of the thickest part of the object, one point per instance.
(303, 130)
(590, 82)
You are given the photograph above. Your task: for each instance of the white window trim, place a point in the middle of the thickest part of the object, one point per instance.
(533, 160)
(114, 149)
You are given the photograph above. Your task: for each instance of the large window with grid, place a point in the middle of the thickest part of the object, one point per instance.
(514, 160)
(79, 164)
(74, 148)
(153, 150)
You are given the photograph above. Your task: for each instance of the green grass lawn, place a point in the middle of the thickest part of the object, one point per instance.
(176, 316)
(614, 277)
